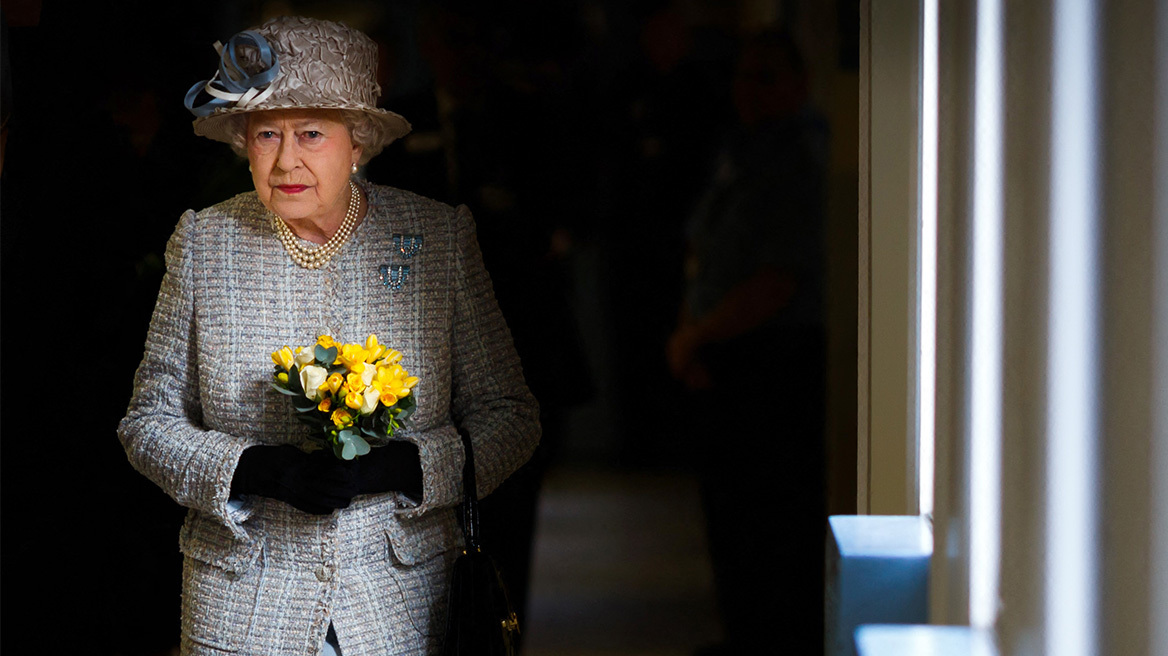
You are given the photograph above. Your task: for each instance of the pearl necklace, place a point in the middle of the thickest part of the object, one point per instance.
(318, 256)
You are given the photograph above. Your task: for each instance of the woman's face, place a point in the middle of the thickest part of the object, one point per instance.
(300, 163)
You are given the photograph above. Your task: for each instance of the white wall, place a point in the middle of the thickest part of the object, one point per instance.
(889, 80)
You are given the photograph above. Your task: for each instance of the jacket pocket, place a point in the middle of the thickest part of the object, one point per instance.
(205, 539)
(416, 539)
(219, 607)
(422, 590)
(222, 582)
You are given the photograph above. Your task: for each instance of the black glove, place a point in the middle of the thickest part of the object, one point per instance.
(394, 467)
(316, 482)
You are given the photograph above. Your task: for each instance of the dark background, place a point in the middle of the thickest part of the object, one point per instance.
(579, 132)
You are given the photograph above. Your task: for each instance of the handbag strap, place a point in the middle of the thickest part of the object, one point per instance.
(470, 501)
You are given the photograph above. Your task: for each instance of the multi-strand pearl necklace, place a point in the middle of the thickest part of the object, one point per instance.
(318, 256)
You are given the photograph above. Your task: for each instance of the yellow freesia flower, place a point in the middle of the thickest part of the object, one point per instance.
(326, 341)
(334, 382)
(353, 357)
(284, 358)
(282, 377)
(341, 418)
(373, 350)
(325, 404)
(387, 374)
(388, 398)
(355, 382)
(391, 356)
(354, 400)
(394, 379)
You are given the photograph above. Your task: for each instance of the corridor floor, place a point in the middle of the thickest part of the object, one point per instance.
(620, 567)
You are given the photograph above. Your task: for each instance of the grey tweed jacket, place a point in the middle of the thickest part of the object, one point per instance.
(266, 578)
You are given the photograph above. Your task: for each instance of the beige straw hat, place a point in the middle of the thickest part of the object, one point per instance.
(293, 63)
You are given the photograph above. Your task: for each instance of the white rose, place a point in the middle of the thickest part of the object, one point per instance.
(369, 399)
(305, 357)
(368, 374)
(312, 377)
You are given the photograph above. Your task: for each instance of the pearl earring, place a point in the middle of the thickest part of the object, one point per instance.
(354, 169)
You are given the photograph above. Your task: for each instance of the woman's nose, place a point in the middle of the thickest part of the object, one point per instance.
(288, 158)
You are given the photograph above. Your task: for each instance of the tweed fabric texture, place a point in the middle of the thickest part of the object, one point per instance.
(323, 65)
(268, 579)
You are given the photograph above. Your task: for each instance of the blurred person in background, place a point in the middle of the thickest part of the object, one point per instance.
(749, 345)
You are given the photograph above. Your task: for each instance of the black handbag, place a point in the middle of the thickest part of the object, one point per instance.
(480, 621)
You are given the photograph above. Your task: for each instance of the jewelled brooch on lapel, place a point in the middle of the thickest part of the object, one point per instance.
(405, 247)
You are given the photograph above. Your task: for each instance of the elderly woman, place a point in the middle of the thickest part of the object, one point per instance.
(282, 546)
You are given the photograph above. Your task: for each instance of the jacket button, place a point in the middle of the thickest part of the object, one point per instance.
(324, 573)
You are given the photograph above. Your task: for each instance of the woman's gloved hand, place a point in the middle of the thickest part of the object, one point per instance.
(394, 467)
(316, 482)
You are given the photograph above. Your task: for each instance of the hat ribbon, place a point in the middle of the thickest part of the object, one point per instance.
(231, 84)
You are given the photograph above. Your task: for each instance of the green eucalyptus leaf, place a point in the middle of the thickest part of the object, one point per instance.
(325, 356)
(360, 445)
(349, 451)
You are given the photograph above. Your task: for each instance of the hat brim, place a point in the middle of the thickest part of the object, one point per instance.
(220, 127)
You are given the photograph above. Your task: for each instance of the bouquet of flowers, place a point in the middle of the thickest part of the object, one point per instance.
(354, 395)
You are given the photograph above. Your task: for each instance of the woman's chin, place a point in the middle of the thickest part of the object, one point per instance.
(292, 209)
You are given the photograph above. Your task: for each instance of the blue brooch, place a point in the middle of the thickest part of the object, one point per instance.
(405, 247)
(394, 276)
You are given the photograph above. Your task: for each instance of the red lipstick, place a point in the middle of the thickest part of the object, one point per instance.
(291, 189)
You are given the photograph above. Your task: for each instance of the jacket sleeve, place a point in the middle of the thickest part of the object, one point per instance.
(489, 398)
(162, 431)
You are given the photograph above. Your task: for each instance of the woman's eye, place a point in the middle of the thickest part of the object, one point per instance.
(312, 134)
(266, 134)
